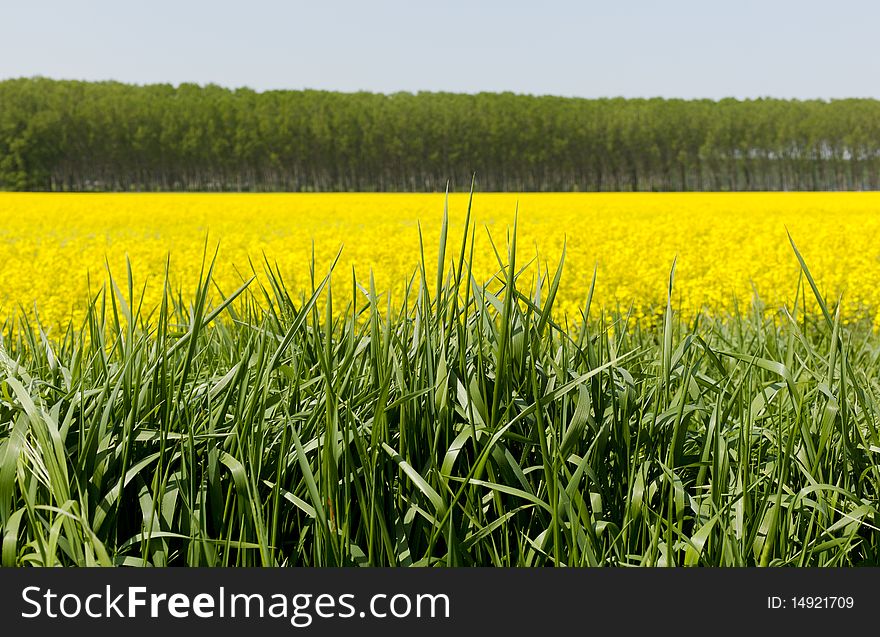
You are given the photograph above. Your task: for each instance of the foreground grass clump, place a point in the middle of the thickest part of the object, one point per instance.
(465, 428)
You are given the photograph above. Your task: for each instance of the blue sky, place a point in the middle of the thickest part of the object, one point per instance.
(631, 48)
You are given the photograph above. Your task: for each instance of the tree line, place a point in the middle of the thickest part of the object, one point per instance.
(76, 136)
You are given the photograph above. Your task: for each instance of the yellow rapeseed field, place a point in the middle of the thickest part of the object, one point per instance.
(727, 244)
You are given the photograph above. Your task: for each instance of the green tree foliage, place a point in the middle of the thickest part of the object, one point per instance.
(68, 135)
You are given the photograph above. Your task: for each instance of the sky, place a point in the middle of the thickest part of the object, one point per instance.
(630, 48)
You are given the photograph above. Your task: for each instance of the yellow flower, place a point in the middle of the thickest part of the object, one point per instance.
(727, 245)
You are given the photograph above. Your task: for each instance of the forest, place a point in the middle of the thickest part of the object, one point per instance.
(60, 135)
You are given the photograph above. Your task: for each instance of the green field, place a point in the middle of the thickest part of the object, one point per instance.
(467, 428)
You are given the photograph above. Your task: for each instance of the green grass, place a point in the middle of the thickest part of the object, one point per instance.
(460, 428)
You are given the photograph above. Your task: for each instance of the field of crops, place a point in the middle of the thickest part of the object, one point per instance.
(489, 413)
(728, 245)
